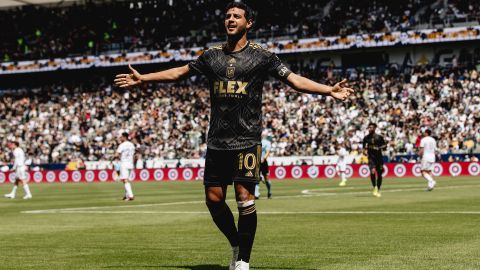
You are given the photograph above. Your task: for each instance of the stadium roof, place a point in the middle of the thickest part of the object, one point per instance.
(14, 3)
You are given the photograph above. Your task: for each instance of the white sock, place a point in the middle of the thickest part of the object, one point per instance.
(14, 190)
(128, 190)
(257, 190)
(344, 179)
(429, 178)
(27, 190)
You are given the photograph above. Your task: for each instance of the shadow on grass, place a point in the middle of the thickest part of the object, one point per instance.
(205, 267)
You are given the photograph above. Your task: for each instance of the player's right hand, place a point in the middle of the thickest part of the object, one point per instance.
(126, 80)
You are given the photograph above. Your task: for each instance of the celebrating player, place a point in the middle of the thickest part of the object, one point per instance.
(126, 151)
(236, 72)
(428, 146)
(373, 144)
(20, 170)
(342, 164)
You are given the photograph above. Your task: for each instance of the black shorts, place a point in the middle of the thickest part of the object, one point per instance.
(264, 168)
(376, 165)
(223, 167)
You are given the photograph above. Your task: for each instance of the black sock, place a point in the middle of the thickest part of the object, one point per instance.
(269, 186)
(223, 218)
(247, 226)
(379, 180)
(372, 178)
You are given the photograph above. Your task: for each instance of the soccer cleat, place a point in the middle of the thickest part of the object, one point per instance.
(27, 197)
(375, 191)
(10, 196)
(269, 195)
(343, 183)
(241, 265)
(128, 198)
(378, 195)
(235, 251)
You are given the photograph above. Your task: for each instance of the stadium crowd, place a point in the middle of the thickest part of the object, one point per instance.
(59, 123)
(126, 26)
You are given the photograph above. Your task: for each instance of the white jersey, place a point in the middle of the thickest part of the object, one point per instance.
(429, 146)
(342, 154)
(19, 155)
(126, 151)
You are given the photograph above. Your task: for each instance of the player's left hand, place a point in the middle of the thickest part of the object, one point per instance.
(340, 91)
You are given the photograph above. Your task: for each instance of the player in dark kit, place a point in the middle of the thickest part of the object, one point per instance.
(373, 144)
(236, 72)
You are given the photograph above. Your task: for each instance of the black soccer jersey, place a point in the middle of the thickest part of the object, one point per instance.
(236, 81)
(374, 145)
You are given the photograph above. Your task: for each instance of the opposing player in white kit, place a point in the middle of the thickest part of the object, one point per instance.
(428, 146)
(20, 171)
(126, 152)
(342, 164)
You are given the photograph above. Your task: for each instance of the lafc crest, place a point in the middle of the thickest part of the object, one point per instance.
(230, 72)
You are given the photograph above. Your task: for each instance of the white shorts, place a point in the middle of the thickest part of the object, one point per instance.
(21, 174)
(427, 165)
(125, 173)
(341, 167)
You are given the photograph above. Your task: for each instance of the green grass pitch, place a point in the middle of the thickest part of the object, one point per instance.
(309, 224)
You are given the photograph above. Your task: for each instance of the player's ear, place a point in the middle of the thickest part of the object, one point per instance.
(249, 23)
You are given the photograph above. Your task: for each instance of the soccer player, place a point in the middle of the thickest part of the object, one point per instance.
(20, 170)
(266, 146)
(126, 151)
(428, 146)
(373, 144)
(341, 164)
(236, 72)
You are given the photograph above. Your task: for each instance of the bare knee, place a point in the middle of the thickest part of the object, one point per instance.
(215, 195)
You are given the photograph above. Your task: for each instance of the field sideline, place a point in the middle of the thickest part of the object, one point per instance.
(309, 224)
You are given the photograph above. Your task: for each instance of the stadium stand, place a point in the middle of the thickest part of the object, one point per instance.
(69, 121)
(124, 26)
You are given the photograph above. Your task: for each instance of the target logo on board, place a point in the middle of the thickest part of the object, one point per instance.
(158, 175)
(296, 172)
(200, 173)
(474, 169)
(76, 176)
(437, 169)
(2, 177)
(187, 174)
(172, 174)
(37, 177)
(280, 172)
(313, 171)
(348, 171)
(50, 177)
(63, 176)
(89, 176)
(417, 169)
(144, 175)
(385, 171)
(455, 169)
(330, 171)
(103, 176)
(400, 170)
(12, 177)
(364, 171)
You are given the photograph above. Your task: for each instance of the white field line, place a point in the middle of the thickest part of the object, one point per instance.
(305, 194)
(275, 212)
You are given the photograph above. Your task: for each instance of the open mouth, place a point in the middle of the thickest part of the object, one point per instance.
(231, 27)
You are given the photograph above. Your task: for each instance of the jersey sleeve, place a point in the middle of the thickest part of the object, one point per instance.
(199, 65)
(422, 143)
(120, 149)
(277, 69)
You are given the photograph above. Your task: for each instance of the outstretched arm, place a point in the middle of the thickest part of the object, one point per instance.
(134, 78)
(302, 84)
